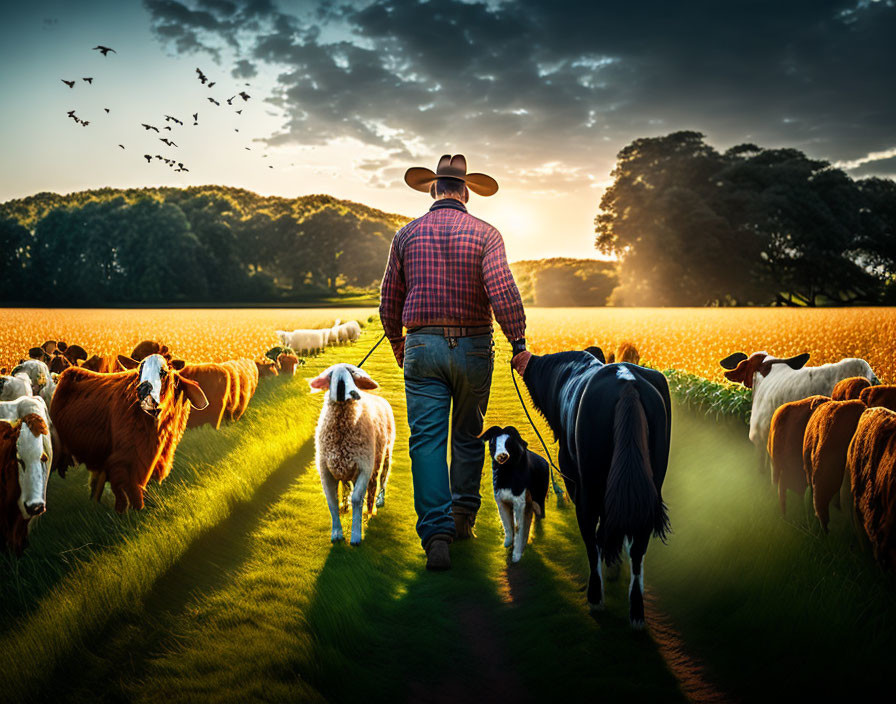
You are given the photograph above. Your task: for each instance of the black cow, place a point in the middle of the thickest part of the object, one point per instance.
(613, 422)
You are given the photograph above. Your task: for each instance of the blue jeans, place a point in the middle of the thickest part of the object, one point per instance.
(439, 371)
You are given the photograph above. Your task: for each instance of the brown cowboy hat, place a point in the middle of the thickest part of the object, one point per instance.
(420, 179)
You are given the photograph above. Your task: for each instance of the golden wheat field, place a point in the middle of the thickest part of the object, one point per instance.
(695, 339)
(194, 334)
(689, 339)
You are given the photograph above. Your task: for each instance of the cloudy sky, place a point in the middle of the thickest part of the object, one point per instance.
(541, 94)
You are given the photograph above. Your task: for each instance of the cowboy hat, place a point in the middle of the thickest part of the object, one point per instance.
(420, 179)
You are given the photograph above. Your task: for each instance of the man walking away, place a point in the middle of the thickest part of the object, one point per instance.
(447, 273)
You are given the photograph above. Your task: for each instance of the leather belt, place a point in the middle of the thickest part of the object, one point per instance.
(453, 331)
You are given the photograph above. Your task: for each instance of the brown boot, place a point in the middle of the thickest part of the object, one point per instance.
(438, 557)
(464, 519)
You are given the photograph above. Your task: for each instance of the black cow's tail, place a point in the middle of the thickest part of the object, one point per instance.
(632, 504)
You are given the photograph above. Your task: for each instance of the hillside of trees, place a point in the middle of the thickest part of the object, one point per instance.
(202, 244)
(565, 282)
(692, 226)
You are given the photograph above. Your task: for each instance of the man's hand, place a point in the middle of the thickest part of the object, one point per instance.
(520, 361)
(518, 346)
(398, 351)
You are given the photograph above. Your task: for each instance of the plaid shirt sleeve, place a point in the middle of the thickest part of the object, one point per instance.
(502, 292)
(392, 295)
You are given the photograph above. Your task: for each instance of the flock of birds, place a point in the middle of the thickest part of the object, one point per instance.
(170, 119)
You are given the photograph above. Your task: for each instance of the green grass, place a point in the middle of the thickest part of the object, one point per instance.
(777, 609)
(227, 588)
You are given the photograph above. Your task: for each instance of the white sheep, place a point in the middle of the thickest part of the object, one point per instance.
(354, 441)
(778, 381)
(348, 331)
(304, 341)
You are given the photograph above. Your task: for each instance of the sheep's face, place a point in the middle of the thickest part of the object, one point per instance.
(344, 382)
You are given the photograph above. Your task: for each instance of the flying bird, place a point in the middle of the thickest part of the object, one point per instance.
(70, 84)
(121, 145)
(148, 158)
(107, 110)
(212, 100)
(270, 167)
(167, 127)
(211, 84)
(171, 118)
(244, 95)
(235, 129)
(167, 141)
(84, 123)
(89, 79)
(71, 113)
(159, 157)
(149, 127)
(182, 169)
(247, 149)
(239, 112)
(103, 49)
(202, 76)
(230, 99)
(195, 117)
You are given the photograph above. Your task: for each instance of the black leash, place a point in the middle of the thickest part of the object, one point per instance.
(558, 490)
(372, 349)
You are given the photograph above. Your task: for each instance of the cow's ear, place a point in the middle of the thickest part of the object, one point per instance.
(798, 361)
(492, 432)
(597, 353)
(732, 360)
(177, 364)
(194, 392)
(127, 363)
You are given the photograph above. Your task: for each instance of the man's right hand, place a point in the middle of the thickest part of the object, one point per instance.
(398, 351)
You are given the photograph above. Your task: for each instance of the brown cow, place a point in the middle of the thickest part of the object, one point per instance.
(243, 378)
(851, 388)
(287, 363)
(125, 426)
(883, 396)
(25, 451)
(871, 461)
(148, 347)
(825, 443)
(105, 364)
(785, 445)
(266, 368)
(215, 382)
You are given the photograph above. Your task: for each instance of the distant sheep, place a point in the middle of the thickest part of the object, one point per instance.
(354, 442)
(785, 445)
(777, 381)
(882, 396)
(345, 332)
(825, 444)
(848, 389)
(305, 341)
(871, 460)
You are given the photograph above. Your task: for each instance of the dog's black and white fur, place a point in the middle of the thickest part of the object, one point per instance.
(520, 478)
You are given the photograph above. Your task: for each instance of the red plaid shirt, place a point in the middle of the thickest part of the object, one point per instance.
(448, 268)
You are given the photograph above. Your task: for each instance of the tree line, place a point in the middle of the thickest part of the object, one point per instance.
(749, 226)
(201, 244)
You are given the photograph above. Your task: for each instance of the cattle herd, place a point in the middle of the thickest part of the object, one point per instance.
(122, 416)
(831, 428)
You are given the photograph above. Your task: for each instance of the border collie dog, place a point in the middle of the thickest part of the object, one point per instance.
(520, 479)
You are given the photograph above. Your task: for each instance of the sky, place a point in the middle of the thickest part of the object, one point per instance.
(345, 96)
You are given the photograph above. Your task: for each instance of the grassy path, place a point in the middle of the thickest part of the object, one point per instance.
(228, 589)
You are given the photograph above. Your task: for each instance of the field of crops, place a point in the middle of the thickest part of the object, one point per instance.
(687, 339)
(695, 339)
(209, 335)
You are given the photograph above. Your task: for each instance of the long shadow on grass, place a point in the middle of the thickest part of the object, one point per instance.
(75, 529)
(410, 635)
(111, 663)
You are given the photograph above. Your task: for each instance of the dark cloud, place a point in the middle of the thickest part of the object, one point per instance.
(562, 85)
(244, 69)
